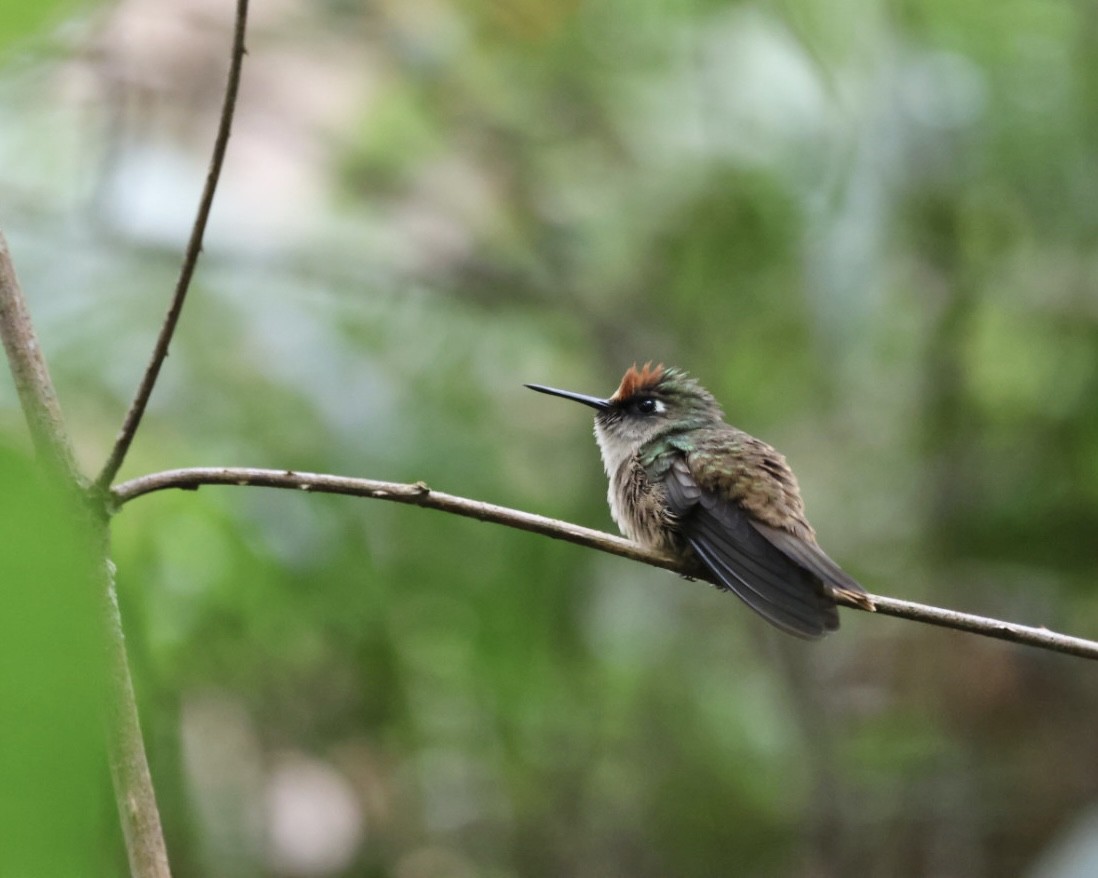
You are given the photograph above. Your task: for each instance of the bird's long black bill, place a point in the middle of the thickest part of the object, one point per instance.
(592, 401)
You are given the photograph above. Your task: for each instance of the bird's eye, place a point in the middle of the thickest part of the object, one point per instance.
(647, 406)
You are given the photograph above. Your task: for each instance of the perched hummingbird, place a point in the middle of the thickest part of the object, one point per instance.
(683, 481)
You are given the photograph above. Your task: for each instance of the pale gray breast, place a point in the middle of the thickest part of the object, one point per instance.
(639, 507)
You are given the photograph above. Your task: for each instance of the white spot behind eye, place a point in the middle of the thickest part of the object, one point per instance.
(660, 407)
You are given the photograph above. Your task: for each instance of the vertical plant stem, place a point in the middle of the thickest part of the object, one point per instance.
(133, 789)
(32, 379)
(130, 775)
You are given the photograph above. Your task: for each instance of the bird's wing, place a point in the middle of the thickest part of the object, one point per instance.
(727, 541)
(815, 560)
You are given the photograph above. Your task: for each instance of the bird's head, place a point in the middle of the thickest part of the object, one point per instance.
(650, 402)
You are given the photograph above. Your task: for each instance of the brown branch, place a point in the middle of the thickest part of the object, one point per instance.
(32, 378)
(138, 812)
(190, 258)
(419, 494)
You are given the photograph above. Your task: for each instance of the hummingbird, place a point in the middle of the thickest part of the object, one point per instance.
(685, 482)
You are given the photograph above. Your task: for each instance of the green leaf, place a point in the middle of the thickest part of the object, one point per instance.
(21, 21)
(54, 805)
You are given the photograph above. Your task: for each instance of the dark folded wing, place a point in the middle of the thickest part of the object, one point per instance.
(812, 558)
(743, 560)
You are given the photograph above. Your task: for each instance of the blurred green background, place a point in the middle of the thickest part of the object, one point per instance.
(870, 228)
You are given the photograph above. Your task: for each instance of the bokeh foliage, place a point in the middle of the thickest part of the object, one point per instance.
(868, 228)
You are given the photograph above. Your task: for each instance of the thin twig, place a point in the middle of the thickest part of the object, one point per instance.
(190, 258)
(419, 494)
(32, 378)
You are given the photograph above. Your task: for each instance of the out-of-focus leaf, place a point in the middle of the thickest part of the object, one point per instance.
(53, 800)
(20, 21)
